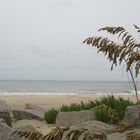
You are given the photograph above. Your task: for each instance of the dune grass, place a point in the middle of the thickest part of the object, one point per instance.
(110, 103)
(50, 115)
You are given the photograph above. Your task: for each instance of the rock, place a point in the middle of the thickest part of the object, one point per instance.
(97, 125)
(2, 120)
(6, 131)
(40, 126)
(34, 107)
(132, 115)
(5, 112)
(116, 136)
(72, 118)
(25, 127)
(28, 114)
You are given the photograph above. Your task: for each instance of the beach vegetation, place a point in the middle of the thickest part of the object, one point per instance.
(50, 115)
(118, 104)
(106, 114)
(75, 133)
(108, 109)
(58, 134)
(128, 51)
(77, 107)
(71, 107)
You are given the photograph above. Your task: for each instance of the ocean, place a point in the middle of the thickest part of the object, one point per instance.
(21, 87)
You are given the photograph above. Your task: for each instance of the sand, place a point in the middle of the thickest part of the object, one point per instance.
(48, 101)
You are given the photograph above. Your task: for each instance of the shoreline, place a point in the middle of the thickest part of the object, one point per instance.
(24, 93)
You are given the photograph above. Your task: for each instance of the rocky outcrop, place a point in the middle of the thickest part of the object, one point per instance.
(34, 107)
(28, 114)
(97, 125)
(24, 128)
(6, 131)
(5, 112)
(72, 118)
(132, 115)
(116, 136)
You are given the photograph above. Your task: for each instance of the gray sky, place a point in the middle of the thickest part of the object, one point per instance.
(42, 39)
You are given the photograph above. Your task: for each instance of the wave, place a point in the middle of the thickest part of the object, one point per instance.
(32, 93)
(21, 93)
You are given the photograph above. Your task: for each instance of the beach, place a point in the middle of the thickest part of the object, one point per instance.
(56, 100)
(51, 100)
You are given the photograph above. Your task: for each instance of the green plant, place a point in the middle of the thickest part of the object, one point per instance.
(71, 107)
(77, 107)
(121, 105)
(106, 114)
(128, 51)
(118, 104)
(50, 115)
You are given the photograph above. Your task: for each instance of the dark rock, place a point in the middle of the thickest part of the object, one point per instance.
(5, 112)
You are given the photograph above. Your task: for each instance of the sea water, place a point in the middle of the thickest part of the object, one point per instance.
(22, 87)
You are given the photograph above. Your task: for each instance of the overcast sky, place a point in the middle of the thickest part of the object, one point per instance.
(42, 39)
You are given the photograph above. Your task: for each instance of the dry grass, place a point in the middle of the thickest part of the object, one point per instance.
(58, 132)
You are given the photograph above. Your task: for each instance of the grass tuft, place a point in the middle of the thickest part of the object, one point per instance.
(50, 116)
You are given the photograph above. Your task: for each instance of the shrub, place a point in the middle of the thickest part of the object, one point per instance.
(50, 115)
(106, 114)
(118, 104)
(121, 105)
